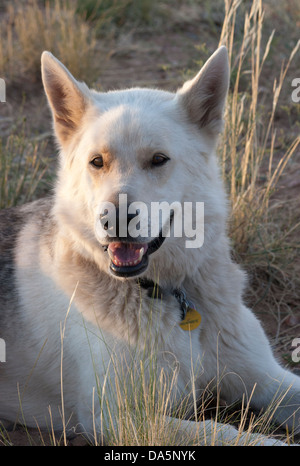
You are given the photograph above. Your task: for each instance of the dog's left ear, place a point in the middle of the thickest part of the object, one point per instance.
(204, 96)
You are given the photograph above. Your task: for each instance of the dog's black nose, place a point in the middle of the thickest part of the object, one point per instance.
(104, 220)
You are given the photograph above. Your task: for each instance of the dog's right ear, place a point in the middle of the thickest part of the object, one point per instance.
(68, 99)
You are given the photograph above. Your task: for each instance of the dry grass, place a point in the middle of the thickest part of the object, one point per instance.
(247, 144)
(30, 28)
(22, 169)
(253, 159)
(143, 411)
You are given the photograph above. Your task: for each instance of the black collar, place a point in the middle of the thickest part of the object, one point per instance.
(154, 291)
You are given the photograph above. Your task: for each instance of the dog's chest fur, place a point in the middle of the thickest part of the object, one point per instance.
(69, 288)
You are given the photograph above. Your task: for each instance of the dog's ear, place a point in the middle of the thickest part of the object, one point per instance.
(68, 99)
(204, 96)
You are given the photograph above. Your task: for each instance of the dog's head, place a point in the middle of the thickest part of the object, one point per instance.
(134, 163)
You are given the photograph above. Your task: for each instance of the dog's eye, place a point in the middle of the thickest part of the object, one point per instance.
(97, 161)
(159, 159)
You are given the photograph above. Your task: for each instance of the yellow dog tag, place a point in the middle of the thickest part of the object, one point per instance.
(192, 319)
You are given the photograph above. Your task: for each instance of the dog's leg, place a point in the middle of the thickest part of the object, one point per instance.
(180, 432)
(210, 432)
(238, 355)
(99, 422)
(255, 371)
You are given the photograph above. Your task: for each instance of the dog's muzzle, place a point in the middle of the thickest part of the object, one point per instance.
(129, 256)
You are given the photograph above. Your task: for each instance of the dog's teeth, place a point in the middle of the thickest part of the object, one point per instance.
(119, 263)
(141, 253)
(110, 253)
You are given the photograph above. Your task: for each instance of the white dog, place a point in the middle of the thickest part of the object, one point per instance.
(86, 301)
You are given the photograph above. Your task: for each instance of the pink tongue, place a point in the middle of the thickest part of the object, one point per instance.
(126, 252)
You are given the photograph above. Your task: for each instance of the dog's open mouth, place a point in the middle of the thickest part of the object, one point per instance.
(129, 259)
(126, 254)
